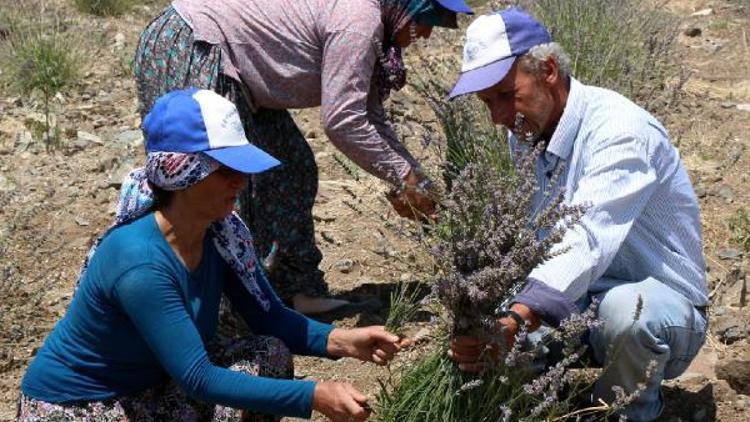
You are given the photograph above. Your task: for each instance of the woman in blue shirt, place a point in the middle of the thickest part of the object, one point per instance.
(138, 340)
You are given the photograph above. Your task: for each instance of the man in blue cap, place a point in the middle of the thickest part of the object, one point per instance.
(639, 244)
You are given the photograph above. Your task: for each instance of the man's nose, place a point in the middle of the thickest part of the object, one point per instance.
(501, 115)
(238, 180)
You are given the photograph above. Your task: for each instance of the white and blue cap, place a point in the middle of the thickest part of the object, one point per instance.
(198, 120)
(493, 42)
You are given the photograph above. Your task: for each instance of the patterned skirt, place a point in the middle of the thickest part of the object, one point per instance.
(278, 203)
(257, 355)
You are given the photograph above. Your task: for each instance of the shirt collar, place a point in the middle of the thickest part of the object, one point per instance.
(566, 132)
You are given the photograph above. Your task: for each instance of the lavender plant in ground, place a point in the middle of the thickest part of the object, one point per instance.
(487, 242)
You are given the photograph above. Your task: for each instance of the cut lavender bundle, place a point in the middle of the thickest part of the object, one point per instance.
(487, 242)
(490, 240)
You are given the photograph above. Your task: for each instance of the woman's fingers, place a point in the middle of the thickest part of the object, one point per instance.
(389, 348)
(357, 406)
(378, 360)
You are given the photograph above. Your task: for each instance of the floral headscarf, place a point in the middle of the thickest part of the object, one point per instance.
(173, 171)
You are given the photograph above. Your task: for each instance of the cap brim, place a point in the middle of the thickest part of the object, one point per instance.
(458, 6)
(245, 159)
(482, 77)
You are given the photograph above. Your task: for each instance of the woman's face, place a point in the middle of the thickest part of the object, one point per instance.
(404, 37)
(214, 197)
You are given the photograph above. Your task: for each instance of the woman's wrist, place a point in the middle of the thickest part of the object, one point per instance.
(336, 346)
(415, 180)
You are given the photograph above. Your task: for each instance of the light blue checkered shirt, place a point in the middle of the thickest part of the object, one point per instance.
(643, 219)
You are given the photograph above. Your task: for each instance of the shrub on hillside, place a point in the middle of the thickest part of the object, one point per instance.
(624, 45)
(36, 56)
(104, 7)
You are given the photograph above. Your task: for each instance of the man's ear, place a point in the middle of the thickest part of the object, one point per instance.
(551, 71)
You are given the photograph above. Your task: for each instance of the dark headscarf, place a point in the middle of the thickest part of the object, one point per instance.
(390, 73)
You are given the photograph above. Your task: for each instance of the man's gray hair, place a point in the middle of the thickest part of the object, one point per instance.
(533, 60)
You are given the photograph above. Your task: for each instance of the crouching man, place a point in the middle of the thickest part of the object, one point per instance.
(640, 239)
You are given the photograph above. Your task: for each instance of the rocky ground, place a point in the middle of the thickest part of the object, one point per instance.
(53, 204)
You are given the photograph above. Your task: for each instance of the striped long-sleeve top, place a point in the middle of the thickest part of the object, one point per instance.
(642, 219)
(308, 53)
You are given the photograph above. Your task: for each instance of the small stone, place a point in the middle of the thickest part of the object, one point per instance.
(730, 254)
(693, 31)
(327, 237)
(117, 177)
(344, 266)
(743, 106)
(23, 140)
(742, 402)
(130, 137)
(5, 184)
(422, 335)
(718, 311)
(726, 193)
(119, 41)
(713, 47)
(311, 134)
(406, 277)
(88, 137)
(82, 222)
(728, 104)
(703, 12)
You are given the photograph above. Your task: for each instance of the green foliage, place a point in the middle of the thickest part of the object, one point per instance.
(38, 57)
(469, 134)
(403, 307)
(347, 165)
(434, 389)
(40, 61)
(739, 226)
(104, 7)
(623, 45)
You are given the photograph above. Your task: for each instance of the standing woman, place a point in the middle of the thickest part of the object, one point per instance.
(268, 56)
(138, 342)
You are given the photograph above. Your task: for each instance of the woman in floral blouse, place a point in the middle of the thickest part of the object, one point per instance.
(268, 56)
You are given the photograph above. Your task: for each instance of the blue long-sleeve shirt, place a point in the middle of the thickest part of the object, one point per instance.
(643, 219)
(140, 317)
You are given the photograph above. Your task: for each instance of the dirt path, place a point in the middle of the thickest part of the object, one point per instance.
(52, 205)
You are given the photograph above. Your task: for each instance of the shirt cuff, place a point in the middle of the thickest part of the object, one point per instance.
(318, 333)
(550, 304)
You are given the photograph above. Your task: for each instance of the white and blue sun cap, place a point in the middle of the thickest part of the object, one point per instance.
(493, 42)
(198, 120)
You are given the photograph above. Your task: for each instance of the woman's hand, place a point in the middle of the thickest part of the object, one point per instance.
(340, 401)
(369, 344)
(411, 200)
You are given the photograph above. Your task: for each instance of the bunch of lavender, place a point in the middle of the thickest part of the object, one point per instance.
(490, 240)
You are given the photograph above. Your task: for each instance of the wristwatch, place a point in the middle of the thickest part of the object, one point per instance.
(515, 315)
